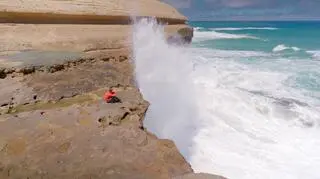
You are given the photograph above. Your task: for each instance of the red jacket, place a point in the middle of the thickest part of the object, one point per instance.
(108, 95)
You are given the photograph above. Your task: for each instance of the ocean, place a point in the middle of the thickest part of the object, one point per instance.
(241, 101)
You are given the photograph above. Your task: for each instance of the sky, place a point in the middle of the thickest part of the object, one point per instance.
(248, 9)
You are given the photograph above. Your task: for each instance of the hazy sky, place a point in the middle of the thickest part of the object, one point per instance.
(248, 9)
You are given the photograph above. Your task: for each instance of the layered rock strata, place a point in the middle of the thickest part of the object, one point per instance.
(56, 125)
(57, 58)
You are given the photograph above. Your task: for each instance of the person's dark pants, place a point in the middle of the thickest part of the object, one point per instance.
(114, 99)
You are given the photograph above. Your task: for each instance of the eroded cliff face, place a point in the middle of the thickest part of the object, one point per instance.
(85, 11)
(57, 58)
(56, 125)
(80, 25)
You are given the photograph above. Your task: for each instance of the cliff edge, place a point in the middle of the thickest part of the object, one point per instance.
(57, 58)
(84, 11)
(80, 25)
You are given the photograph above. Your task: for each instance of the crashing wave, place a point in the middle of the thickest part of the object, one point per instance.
(244, 28)
(315, 54)
(195, 101)
(197, 28)
(212, 35)
(282, 47)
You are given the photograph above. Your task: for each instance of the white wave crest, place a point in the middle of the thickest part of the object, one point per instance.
(212, 35)
(197, 28)
(196, 101)
(282, 47)
(244, 28)
(315, 54)
(227, 54)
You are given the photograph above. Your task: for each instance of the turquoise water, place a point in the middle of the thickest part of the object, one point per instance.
(242, 101)
(287, 46)
(304, 35)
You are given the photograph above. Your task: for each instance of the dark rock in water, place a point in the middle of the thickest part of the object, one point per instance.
(186, 34)
(176, 40)
(183, 36)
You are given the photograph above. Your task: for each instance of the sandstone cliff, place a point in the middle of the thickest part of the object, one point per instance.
(84, 11)
(56, 60)
(68, 25)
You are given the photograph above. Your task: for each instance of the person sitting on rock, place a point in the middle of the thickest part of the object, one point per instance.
(110, 97)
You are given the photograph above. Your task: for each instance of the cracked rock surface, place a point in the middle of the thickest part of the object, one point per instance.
(56, 125)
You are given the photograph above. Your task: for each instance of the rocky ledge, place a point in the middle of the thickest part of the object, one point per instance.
(53, 120)
(54, 124)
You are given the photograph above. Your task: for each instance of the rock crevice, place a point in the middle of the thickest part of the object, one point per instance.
(54, 136)
(57, 58)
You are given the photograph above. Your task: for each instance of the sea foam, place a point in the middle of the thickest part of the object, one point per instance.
(212, 35)
(226, 117)
(315, 54)
(243, 28)
(282, 47)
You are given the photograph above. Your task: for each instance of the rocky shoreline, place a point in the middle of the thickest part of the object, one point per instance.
(53, 120)
(54, 124)
(63, 128)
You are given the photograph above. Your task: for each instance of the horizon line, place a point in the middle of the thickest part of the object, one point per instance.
(259, 20)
